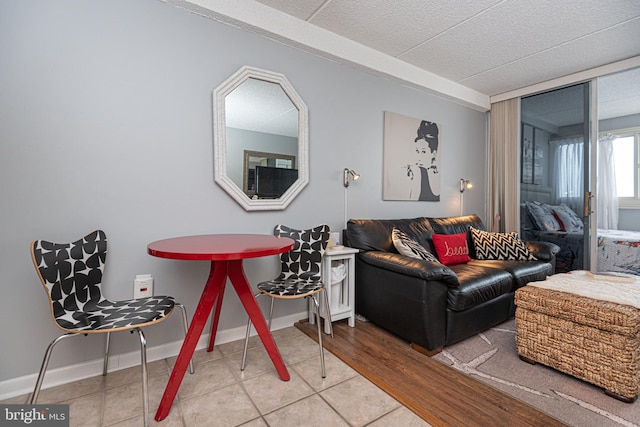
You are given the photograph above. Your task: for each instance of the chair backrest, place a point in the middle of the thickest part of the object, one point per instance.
(72, 276)
(305, 259)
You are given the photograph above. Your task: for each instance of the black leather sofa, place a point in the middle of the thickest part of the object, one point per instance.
(427, 303)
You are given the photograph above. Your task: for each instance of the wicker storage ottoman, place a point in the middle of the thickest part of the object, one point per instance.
(593, 340)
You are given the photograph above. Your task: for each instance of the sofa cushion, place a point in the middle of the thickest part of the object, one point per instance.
(501, 246)
(405, 266)
(458, 224)
(522, 272)
(451, 248)
(478, 284)
(409, 247)
(375, 235)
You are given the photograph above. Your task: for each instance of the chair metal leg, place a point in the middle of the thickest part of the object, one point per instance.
(246, 339)
(106, 354)
(43, 367)
(317, 310)
(185, 324)
(328, 311)
(271, 312)
(143, 364)
(246, 345)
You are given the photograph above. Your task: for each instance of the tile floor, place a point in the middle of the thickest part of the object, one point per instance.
(219, 394)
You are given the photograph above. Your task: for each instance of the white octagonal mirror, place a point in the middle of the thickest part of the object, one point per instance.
(261, 139)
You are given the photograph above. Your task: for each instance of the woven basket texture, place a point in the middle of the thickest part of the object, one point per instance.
(596, 341)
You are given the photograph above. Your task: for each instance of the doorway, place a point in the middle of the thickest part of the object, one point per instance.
(555, 172)
(617, 247)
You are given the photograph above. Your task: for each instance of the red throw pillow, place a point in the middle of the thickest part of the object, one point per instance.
(451, 248)
(562, 227)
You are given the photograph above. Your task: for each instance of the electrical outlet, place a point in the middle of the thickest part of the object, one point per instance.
(143, 286)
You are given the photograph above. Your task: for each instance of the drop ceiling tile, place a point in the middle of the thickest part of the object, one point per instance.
(615, 44)
(615, 86)
(492, 46)
(393, 27)
(619, 94)
(261, 106)
(511, 31)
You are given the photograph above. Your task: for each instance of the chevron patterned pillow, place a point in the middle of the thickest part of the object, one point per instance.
(500, 246)
(409, 247)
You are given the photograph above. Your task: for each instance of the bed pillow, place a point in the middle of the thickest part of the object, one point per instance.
(567, 218)
(501, 246)
(409, 247)
(451, 248)
(543, 217)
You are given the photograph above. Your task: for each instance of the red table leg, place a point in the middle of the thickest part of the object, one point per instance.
(215, 283)
(215, 317)
(241, 285)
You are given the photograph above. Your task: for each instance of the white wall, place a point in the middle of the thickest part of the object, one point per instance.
(106, 122)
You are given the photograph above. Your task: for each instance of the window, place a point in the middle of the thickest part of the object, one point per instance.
(626, 147)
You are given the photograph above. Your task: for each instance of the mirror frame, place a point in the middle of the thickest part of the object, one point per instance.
(220, 140)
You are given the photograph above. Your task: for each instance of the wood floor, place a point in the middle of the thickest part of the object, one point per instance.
(439, 394)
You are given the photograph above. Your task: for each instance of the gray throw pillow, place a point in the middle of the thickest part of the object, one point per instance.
(567, 219)
(543, 217)
(409, 247)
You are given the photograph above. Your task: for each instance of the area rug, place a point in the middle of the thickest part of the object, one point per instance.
(491, 357)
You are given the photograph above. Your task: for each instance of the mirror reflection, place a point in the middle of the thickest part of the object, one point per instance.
(261, 118)
(261, 139)
(268, 175)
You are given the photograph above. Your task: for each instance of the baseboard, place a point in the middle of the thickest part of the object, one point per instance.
(54, 377)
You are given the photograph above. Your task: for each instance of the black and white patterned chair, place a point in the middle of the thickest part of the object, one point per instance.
(300, 276)
(72, 276)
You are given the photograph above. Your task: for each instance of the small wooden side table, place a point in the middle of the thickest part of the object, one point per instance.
(341, 296)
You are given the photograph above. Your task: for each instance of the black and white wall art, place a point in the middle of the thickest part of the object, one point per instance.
(411, 159)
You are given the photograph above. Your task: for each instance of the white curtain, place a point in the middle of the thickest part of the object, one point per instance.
(568, 171)
(607, 190)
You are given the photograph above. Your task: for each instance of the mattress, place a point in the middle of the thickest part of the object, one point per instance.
(617, 251)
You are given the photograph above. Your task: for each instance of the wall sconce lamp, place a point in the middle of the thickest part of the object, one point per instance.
(464, 184)
(349, 172)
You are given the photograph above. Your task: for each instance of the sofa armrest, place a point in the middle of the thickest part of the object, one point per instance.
(427, 270)
(391, 293)
(544, 251)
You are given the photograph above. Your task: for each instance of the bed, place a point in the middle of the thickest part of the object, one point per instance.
(617, 251)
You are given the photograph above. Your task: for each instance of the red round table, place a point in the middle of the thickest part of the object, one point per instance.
(226, 252)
